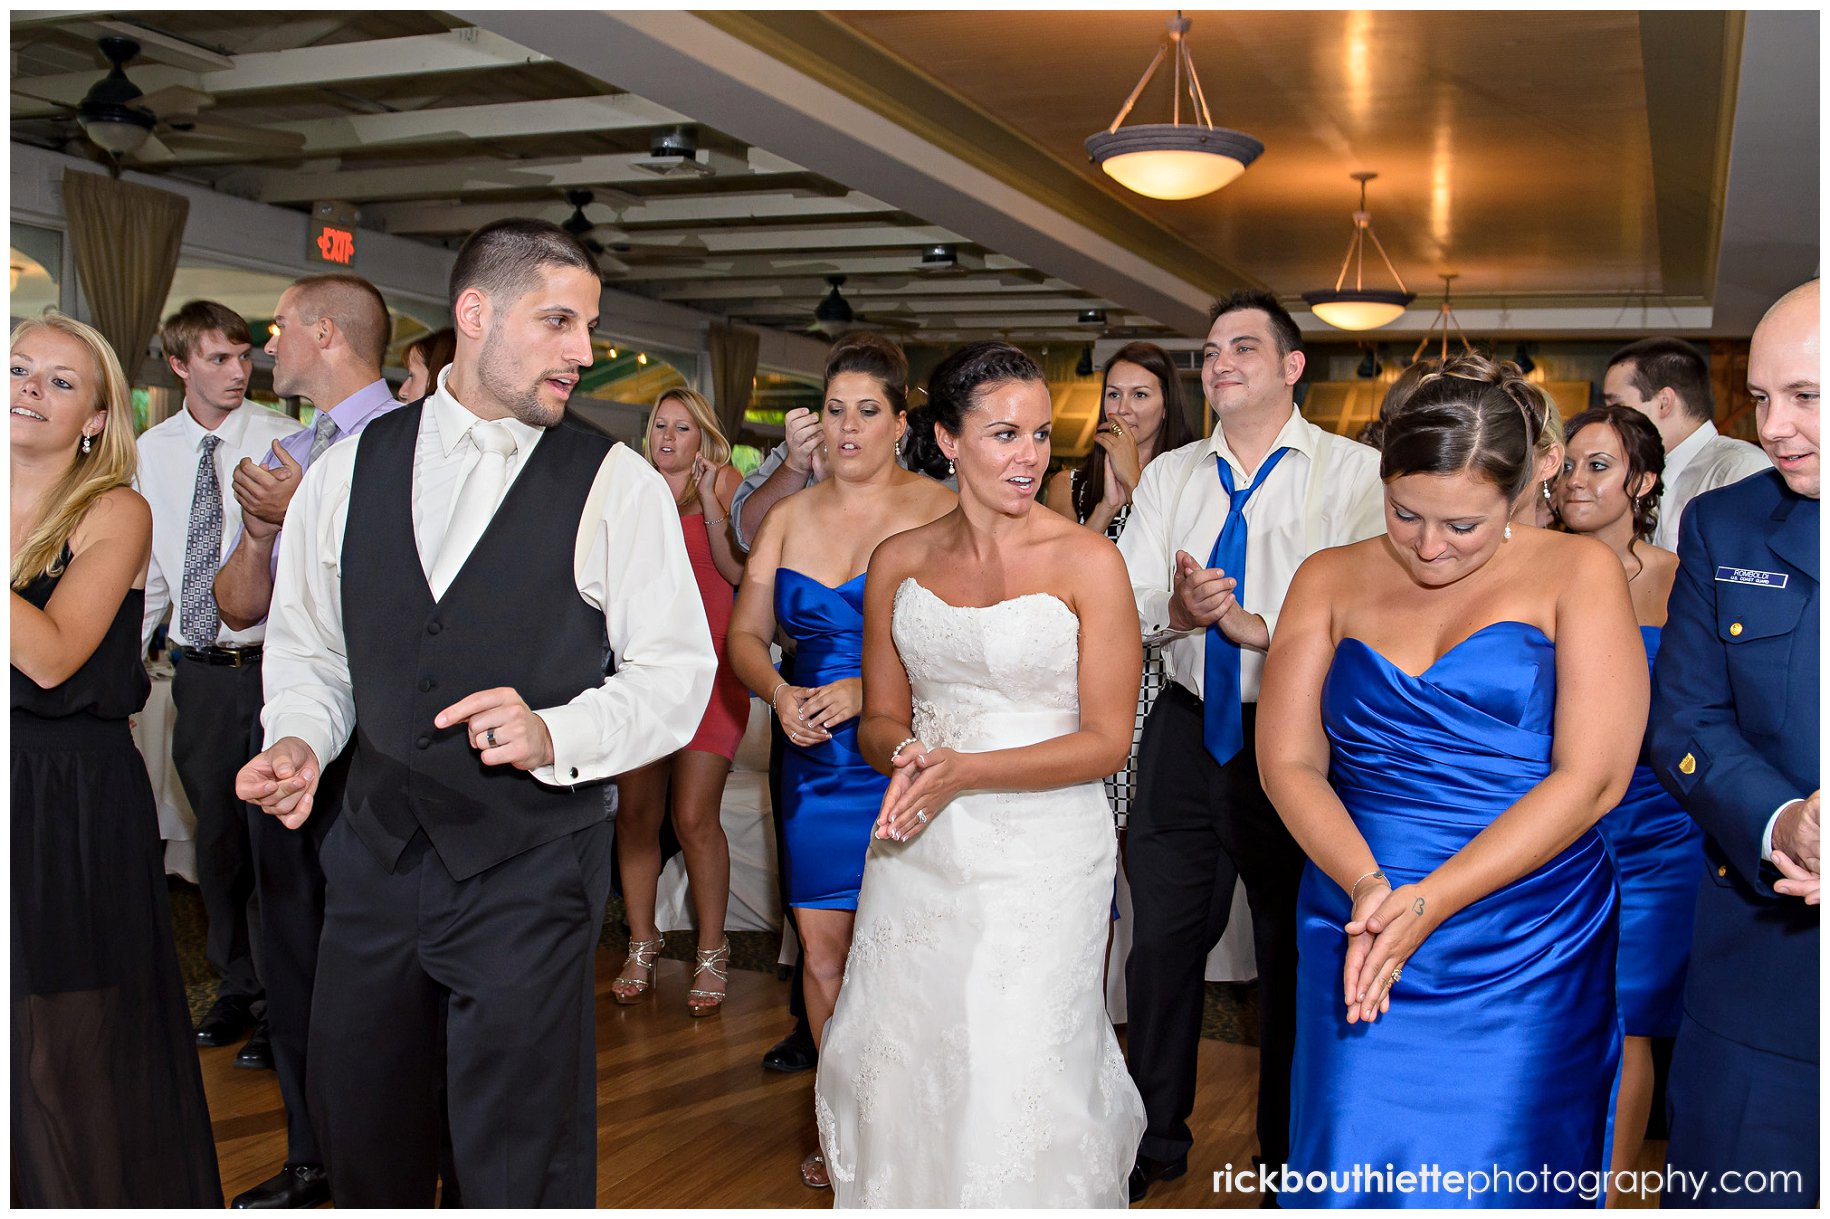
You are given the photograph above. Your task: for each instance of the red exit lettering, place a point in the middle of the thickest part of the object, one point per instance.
(337, 245)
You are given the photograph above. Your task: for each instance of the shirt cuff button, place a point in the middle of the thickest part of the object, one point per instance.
(575, 772)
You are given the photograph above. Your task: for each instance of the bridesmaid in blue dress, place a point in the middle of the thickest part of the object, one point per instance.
(1447, 712)
(805, 579)
(1610, 492)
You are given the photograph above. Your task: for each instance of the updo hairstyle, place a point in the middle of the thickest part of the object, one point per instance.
(1472, 413)
(1644, 451)
(957, 381)
(876, 357)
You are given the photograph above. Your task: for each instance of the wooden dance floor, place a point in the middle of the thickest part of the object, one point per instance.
(687, 1117)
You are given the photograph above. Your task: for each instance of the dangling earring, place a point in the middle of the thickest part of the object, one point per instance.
(949, 467)
(1507, 536)
(1545, 486)
(88, 443)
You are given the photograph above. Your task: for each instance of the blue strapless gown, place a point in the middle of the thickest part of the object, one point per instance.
(830, 794)
(1658, 851)
(1503, 1040)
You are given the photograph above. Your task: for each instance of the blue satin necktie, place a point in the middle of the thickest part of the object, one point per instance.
(1223, 721)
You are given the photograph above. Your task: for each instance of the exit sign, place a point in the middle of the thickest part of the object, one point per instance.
(332, 243)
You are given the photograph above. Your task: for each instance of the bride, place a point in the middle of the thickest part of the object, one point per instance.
(969, 1061)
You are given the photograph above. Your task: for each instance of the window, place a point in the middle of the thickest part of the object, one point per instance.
(36, 271)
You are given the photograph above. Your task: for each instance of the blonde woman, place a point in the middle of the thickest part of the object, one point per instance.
(108, 1105)
(683, 441)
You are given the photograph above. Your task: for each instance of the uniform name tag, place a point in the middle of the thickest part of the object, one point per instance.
(1747, 575)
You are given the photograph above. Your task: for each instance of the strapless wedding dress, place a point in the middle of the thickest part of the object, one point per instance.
(970, 1061)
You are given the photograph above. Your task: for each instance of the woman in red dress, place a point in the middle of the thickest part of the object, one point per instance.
(683, 441)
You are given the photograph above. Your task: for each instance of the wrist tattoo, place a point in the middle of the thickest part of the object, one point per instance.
(1418, 907)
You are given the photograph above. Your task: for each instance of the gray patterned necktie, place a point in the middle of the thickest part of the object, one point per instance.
(199, 618)
(324, 431)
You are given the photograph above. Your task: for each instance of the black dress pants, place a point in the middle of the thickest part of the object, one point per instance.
(1197, 827)
(502, 963)
(218, 713)
(290, 883)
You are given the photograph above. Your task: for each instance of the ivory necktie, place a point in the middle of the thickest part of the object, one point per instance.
(1223, 720)
(477, 500)
(198, 617)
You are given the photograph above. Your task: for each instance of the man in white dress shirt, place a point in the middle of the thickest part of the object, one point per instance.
(1269, 488)
(449, 582)
(184, 473)
(1667, 381)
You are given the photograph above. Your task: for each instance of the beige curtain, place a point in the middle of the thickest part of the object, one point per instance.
(733, 353)
(125, 239)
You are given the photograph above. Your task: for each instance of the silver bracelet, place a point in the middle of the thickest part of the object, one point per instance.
(1353, 894)
(779, 687)
(904, 744)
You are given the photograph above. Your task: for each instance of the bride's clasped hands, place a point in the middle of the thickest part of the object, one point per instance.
(923, 782)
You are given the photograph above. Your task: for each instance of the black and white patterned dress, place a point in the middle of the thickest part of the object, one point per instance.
(1122, 786)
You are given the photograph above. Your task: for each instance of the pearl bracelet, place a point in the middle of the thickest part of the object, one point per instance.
(904, 744)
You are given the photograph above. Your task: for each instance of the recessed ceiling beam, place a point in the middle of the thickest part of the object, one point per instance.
(812, 264)
(504, 121)
(343, 63)
(915, 284)
(481, 177)
(744, 205)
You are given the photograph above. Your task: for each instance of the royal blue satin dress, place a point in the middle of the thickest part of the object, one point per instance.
(830, 794)
(1658, 852)
(1502, 1041)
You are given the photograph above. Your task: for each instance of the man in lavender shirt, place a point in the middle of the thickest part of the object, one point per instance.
(329, 339)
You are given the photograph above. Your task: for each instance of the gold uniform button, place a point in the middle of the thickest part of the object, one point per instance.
(1722, 871)
(1689, 765)
(1734, 628)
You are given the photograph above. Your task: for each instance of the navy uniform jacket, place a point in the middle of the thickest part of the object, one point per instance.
(1733, 736)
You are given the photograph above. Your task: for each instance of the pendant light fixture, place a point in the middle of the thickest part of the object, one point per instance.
(1445, 317)
(1360, 307)
(1173, 160)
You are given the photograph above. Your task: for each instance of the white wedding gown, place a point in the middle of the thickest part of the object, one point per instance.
(970, 1061)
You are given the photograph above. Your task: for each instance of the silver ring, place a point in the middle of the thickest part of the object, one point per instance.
(921, 816)
(489, 738)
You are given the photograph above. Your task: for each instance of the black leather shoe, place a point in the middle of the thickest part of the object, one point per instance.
(228, 1018)
(793, 1053)
(293, 1186)
(257, 1055)
(1147, 1170)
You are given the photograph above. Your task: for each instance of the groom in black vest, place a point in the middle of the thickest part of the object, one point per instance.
(450, 582)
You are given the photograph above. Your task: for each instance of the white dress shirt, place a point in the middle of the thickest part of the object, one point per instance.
(1702, 461)
(1325, 492)
(167, 477)
(629, 561)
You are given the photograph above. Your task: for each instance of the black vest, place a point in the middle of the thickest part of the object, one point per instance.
(512, 617)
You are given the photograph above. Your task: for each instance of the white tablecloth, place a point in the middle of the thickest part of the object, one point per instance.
(152, 732)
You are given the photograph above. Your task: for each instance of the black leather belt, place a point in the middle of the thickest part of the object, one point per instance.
(235, 658)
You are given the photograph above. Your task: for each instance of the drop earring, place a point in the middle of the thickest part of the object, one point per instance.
(1507, 536)
(949, 467)
(88, 443)
(1545, 487)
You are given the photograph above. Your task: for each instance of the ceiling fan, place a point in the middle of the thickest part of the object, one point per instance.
(834, 317)
(124, 122)
(621, 247)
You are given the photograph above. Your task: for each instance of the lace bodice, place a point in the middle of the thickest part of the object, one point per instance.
(983, 676)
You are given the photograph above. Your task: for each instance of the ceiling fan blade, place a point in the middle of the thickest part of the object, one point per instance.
(202, 135)
(175, 99)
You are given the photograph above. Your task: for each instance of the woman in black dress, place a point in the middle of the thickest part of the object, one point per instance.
(108, 1105)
